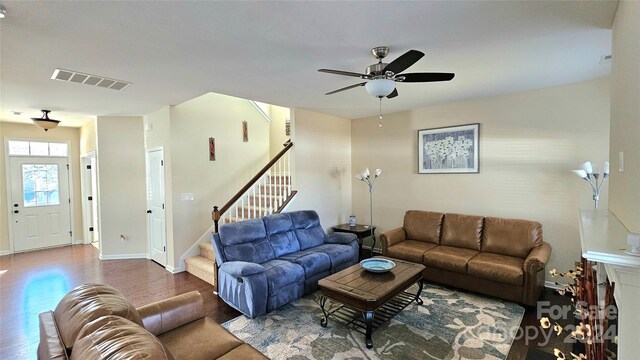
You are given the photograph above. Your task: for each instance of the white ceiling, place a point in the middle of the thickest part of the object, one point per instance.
(270, 51)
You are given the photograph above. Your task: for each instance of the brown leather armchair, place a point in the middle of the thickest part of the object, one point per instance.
(95, 321)
(500, 257)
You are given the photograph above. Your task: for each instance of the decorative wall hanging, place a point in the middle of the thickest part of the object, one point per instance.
(245, 132)
(212, 149)
(446, 150)
(287, 127)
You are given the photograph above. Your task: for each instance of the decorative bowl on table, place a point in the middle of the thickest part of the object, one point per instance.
(377, 265)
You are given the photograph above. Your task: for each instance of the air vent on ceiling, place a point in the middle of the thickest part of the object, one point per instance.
(88, 79)
(604, 59)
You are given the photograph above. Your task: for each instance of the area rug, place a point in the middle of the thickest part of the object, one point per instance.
(449, 325)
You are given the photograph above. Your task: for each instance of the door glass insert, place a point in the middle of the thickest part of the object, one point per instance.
(40, 186)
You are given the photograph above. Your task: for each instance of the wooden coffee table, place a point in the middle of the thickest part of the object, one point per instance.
(377, 297)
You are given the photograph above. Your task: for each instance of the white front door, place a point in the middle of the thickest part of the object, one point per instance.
(40, 203)
(155, 206)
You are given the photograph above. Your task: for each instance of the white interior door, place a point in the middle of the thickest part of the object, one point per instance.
(40, 202)
(155, 206)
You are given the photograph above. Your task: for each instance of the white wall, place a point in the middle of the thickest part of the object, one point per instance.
(211, 182)
(625, 115)
(277, 135)
(121, 186)
(529, 142)
(322, 165)
(30, 131)
(88, 137)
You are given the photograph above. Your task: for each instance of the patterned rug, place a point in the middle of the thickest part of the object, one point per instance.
(449, 325)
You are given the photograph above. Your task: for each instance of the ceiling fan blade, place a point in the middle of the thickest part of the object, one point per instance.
(345, 88)
(393, 94)
(426, 77)
(345, 73)
(404, 61)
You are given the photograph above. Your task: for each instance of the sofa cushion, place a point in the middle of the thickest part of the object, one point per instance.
(409, 250)
(193, 340)
(463, 231)
(86, 303)
(312, 262)
(338, 253)
(113, 337)
(511, 237)
(244, 352)
(277, 223)
(281, 273)
(423, 225)
(307, 228)
(496, 267)
(246, 241)
(449, 258)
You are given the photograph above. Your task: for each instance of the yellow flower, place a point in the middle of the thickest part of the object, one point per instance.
(559, 354)
(578, 357)
(553, 272)
(558, 329)
(545, 323)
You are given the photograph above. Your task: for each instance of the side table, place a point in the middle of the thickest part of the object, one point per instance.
(361, 232)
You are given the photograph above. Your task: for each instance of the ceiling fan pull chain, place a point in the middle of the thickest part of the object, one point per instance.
(380, 123)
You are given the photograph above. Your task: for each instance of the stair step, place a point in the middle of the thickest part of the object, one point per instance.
(202, 268)
(277, 179)
(206, 251)
(262, 200)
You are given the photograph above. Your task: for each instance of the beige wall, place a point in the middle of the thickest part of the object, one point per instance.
(277, 135)
(88, 137)
(211, 182)
(158, 134)
(28, 131)
(121, 186)
(625, 115)
(529, 142)
(322, 165)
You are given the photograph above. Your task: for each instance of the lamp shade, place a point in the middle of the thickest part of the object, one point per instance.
(605, 168)
(587, 167)
(380, 87)
(580, 173)
(44, 122)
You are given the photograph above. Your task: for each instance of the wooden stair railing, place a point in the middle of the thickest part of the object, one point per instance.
(272, 179)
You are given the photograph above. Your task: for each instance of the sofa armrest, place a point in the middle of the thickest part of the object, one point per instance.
(242, 268)
(340, 238)
(50, 346)
(538, 258)
(171, 313)
(392, 237)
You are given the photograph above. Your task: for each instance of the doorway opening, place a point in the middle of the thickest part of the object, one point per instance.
(90, 213)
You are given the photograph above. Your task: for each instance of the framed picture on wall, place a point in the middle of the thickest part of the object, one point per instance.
(449, 150)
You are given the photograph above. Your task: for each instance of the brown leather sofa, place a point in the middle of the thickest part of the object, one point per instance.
(499, 257)
(95, 321)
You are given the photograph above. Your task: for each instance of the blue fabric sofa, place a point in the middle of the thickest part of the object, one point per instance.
(266, 263)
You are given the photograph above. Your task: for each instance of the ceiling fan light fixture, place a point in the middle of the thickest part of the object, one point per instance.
(380, 87)
(44, 122)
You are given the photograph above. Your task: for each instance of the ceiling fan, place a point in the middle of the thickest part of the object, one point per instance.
(381, 77)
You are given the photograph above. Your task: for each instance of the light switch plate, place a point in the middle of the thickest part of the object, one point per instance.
(621, 161)
(186, 197)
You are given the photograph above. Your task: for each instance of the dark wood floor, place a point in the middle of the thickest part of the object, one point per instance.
(35, 281)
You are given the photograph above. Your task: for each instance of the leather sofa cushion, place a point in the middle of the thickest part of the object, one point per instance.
(449, 258)
(112, 337)
(496, 267)
(409, 250)
(423, 225)
(463, 231)
(86, 303)
(193, 341)
(511, 237)
(244, 352)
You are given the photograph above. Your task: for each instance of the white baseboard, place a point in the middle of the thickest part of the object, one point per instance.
(552, 285)
(174, 270)
(5, 252)
(78, 242)
(122, 257)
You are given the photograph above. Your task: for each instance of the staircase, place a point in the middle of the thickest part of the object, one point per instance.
(268, 192)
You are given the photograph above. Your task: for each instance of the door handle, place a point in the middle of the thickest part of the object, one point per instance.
(148, 211)
(15, 211)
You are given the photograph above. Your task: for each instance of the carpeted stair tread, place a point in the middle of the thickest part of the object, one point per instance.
(202, 268)
(206, 250)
